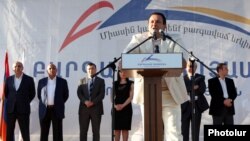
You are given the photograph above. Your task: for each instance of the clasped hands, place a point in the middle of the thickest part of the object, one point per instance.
(89, 103)
(119, 107)
(228, 102)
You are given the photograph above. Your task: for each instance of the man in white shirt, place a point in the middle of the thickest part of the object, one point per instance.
(52, 94)
(223, 93)
(19, 92)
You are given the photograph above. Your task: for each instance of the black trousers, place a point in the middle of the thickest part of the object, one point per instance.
(84, 121)
(24, 123)
(56, 126)
(224, 119)
(186, 123)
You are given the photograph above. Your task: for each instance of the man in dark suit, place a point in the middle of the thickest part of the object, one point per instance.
(223, 93)
(200, 102)
(52, 94)
(91, 94)
(19, 92)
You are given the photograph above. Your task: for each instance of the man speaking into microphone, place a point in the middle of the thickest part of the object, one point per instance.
(173, 88)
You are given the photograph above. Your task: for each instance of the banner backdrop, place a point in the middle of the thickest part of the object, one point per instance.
(70, 33)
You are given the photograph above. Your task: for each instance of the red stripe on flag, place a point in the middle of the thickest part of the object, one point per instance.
(3, 127)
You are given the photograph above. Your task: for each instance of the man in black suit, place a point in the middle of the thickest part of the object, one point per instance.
(91, 94)
(223, 93)
(201, 104)
(52, 93)
(19, 92)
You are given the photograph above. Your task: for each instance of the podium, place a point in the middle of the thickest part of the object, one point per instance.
(152, 67)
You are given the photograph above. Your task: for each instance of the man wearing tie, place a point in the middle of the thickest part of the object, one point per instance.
(52, 94)
(196, 86)
(91, 94)
(19, 92)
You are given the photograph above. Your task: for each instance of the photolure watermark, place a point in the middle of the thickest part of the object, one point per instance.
(241, 132)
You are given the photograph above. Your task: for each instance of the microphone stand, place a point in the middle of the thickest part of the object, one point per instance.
(113, 67)
(191, 55)
(193, 100)
(192, 59)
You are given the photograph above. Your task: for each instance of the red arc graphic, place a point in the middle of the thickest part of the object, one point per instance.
(73, 36)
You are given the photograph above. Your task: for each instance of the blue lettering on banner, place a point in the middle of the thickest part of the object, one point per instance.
(237, 69)
(242, 66)
(71, 66)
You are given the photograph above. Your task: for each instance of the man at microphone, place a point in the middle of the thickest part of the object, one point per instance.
(173, 88)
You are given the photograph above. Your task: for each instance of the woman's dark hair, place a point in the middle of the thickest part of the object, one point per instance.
(119, 78)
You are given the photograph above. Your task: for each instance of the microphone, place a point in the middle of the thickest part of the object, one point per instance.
(191, 57)
(164, 36)
(154, 35)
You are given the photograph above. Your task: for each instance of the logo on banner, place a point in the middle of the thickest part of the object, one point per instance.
(150, 58)
(139, 10)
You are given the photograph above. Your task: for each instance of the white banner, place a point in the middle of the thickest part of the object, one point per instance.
(70, 33)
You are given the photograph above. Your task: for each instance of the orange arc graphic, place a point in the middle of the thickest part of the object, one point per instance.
(217, 13)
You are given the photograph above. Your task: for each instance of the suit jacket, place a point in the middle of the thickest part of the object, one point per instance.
(217, 98)
(19, 99)
(201, 102)
(96, 97)
(176, 85)
(61, 96)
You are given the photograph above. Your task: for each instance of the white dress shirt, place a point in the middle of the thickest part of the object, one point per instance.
(51, 86)
(224, 87)
(17, 82)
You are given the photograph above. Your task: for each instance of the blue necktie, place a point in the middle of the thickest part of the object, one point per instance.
(91, 87)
